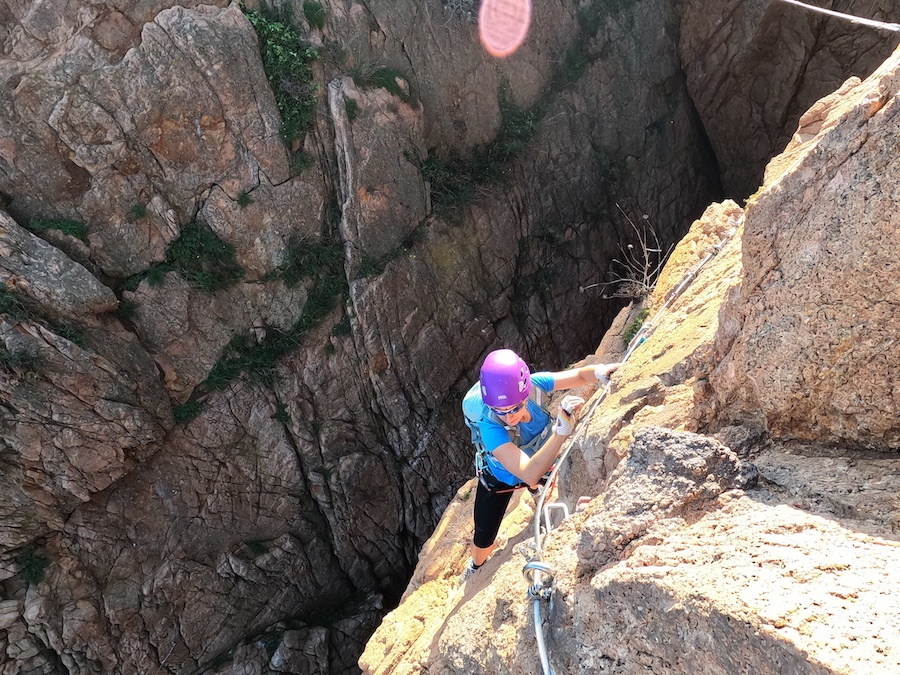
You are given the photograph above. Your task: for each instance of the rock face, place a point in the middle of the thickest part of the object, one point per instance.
(740, 517)
(93, 137)
(814, 356)
(82, 404)
(231, 362)
(46, 276)
(754, 67)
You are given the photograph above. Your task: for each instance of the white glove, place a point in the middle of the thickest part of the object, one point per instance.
(565, 418)
(603, 370)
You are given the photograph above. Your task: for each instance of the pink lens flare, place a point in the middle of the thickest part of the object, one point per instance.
(503, 25)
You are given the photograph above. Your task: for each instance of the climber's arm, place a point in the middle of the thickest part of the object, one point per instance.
(529, 469)
(579, 377)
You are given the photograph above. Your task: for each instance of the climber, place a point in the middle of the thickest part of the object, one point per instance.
(515, 437)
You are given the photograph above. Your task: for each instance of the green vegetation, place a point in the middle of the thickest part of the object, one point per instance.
(74, 228)
(286, 58)
(7, 359)
(257, 547)
(576, 63)
(342, 328)
(11, 305)
(14, 308)
(517, 128)
(632, 329)
(186, 412)
(131, 283)
(281, 414)
(156, 275)
(271, 641)
(590, 18)
(323, 260)
(137, 211)
(387, 78)
(320, 301)
(528, 285)
(314, 13)
(74, 336)
(554, 236)
(301, 161)
(322, 263)
(370, 266)
(244, 200)
(453, 182)
(127, 310)
(592, 15)
(20, 361)
(32, 567)
(381, 77)
(352, 108)
(199, 256)
(243, 354)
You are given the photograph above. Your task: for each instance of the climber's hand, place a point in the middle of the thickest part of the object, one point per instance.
(565, 418)
(603, 370)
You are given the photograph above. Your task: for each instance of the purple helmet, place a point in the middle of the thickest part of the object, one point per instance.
(505, 379)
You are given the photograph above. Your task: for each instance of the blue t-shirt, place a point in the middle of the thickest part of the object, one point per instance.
(494, 435)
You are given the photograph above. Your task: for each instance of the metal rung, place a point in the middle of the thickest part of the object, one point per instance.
(554, 506)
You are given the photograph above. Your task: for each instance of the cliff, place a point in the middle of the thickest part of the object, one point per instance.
(251, 258)
(741, 470)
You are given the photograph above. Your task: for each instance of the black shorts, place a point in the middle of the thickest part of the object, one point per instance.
(490, 507)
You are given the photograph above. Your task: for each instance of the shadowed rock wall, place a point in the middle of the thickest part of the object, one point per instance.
(236, 477)
(753, 68)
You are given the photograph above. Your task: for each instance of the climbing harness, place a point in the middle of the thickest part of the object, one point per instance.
(872, 23)
(539, 573)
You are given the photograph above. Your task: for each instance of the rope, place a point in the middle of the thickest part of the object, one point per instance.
(541, 573)
(895, 27)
